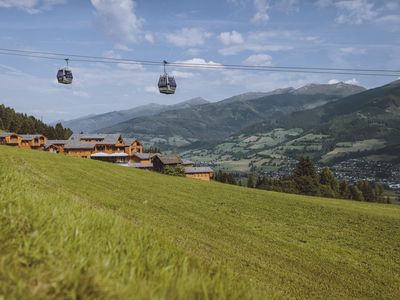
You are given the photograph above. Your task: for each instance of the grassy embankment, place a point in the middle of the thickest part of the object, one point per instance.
(74, 228)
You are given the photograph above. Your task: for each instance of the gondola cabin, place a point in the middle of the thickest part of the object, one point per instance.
(64, 76)
(167, 84)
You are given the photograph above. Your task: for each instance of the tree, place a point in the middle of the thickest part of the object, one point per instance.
(355, 193)
(344, 191)
(251, 181)
(327, 178)
(175, 171)
(305, 167)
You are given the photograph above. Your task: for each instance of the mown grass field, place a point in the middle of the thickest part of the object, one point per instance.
(77, 229)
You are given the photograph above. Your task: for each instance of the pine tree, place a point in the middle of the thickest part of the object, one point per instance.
(305, 167)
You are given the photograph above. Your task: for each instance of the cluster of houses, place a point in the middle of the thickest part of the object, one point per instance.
(106, 147)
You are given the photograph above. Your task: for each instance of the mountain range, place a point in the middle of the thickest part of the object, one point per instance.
(213, 122)
(363, 125)
(92, 123)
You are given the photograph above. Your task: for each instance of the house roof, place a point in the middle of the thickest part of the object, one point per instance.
(104, 139)
(5, 134)
(169, 159)
(79, 145)
(29, 137)
(187, 162)
(196, 170)
(145, 155)
(130, 141)
(55, 142)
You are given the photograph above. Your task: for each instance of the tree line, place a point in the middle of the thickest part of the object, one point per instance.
(305, 180)
(24, 124)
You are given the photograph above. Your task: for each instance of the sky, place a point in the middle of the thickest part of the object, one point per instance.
(311, 33)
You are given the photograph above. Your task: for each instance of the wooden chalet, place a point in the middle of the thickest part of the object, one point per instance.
(202, 173)
(33, 141)
(161, 161)
(10, 139)
(55, 146)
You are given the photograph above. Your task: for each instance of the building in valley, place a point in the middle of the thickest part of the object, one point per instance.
(161, 162)
(202, 173)
(10, 139)
(33, 141)
(56, 146)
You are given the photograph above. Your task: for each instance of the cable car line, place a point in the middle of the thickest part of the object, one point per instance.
(167, 84)
(354, 71)
(204, 66)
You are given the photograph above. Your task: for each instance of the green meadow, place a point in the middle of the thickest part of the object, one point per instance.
(72, 228)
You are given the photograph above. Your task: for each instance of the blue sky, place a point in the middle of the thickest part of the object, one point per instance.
(320, 33)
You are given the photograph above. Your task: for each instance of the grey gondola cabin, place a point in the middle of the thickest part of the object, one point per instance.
(64, 75)
(166, 83)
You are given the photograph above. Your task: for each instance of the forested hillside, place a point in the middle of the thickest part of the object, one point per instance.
(12, 121)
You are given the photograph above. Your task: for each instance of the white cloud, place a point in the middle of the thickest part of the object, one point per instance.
(229, 38)
(333, 81)
(261, 15)
(287, 5)
(118, 21)
(149, 37)
(258, 60)
(352, 50)
(352, 81)
(355, 11)
(180, 74)
(267, 41)
(388, 19)
(31, 6)
(200, 61)
(188, 37)
(351, 11)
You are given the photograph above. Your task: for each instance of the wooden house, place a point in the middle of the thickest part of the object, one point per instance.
(33, 141)
(143, 158)
(202, 173)
(161, 161)
(133, 146)
(56, 146)
(10, 139)
(79, 149)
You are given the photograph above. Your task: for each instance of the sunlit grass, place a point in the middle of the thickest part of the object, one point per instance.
(74, 228)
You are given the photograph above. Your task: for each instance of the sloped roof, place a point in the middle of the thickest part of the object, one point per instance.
(55, 142)
(79, 145)
(169, 159)
(106, 139)
(145, 155)
(5, 134)
(130, 141)
(187, 162)
(196, 170)
(29, 137)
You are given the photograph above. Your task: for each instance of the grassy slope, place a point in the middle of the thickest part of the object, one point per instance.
(73, 227)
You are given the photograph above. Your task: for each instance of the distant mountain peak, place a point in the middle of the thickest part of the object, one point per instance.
(340, 88)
